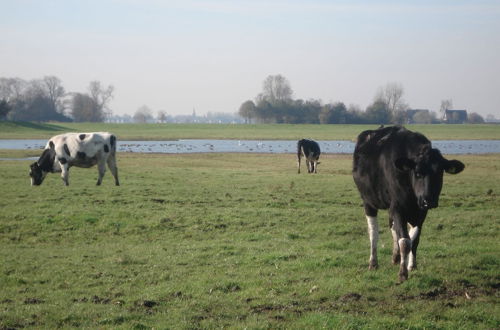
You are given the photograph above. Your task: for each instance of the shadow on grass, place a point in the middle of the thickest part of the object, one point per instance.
(40, 126)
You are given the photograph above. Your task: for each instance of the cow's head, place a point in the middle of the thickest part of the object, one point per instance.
(44, 165)
(426, 175)
(37, 174)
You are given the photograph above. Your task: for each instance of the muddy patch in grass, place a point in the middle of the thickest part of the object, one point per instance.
(33, 301)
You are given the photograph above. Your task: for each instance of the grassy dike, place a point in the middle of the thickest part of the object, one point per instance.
(238, 241)
(21, 130)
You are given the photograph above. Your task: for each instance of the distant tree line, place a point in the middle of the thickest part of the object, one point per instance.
(145, 114)
(276, 105)
(46, 99)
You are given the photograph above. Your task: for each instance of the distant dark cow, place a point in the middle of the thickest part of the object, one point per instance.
(76, 149)
(310, 150)
(397, 169)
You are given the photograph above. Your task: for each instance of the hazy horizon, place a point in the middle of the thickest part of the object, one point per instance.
(212, 56)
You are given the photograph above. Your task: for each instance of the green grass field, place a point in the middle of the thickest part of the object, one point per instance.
(22, 130)
(238, 241)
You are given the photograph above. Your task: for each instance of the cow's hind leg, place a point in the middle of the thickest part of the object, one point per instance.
(113, 168)
(65, 174)
(371, 219)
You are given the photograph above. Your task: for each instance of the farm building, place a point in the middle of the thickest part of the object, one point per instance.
(455, 116)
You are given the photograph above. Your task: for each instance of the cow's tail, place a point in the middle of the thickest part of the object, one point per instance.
(112, 142)
(299, 148)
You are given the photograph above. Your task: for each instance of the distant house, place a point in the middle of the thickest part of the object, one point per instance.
(455, 116)
(418, 116)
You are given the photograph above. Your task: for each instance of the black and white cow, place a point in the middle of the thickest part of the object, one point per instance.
(76, 149)
(309, 149)
(398, 169)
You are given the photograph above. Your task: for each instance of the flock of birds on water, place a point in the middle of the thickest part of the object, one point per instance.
(184, 146)
(280, 146)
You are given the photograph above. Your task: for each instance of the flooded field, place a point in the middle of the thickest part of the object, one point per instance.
(264, 146)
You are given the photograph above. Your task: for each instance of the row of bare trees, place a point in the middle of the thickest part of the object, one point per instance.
(46, 99)
(275, 104)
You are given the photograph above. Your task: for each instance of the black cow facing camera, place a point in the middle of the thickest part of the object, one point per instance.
(398, 169)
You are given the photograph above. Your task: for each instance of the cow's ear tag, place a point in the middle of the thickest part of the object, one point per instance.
(404, 164)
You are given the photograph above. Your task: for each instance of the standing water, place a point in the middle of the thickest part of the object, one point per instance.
(260, 146)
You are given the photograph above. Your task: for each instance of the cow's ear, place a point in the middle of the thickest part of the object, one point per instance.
(453, 166)
(404, 164)
(51, 145)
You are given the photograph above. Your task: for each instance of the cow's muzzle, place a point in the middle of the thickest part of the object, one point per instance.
(425, 204)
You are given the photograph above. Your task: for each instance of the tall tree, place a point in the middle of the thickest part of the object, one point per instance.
(4, 109)
(12, 89)
(276, 89)
(84, 109)
(378, 113)
(54, 91)
(101, 96)
(162, 116)
(143, 115)
(475, 118)
(247, 111)
(392, 96)
(333, 114)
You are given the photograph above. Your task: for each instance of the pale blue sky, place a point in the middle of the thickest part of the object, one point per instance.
(214, 55)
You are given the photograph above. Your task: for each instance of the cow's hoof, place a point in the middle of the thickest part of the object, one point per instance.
(403, 276)
(373, 266)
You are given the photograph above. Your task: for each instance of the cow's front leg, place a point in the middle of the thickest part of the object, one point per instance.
(396, 256)
(65, 174)
(415, 238)
(404, 243)
(101, 166)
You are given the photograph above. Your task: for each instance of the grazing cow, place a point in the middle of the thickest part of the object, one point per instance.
(76, 149)
(310, 150)
(398, 169)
